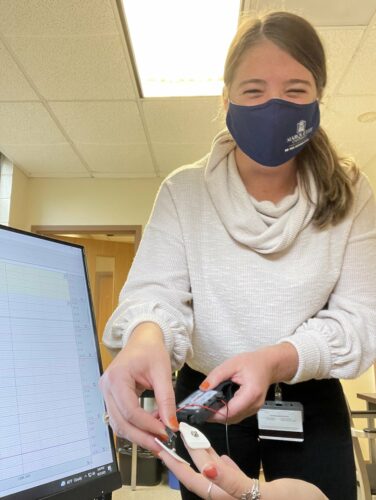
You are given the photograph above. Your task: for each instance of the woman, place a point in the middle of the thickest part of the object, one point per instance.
(257, 265)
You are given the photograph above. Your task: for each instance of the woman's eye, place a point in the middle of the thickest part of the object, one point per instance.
(296, 91)
(252, 91)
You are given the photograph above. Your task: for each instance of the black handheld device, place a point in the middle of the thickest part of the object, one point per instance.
(200, 405)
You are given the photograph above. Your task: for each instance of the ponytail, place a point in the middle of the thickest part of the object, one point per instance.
(334, 178)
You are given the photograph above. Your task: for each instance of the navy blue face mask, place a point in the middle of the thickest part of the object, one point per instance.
(273, 132)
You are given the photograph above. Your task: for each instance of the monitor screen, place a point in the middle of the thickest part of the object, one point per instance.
(53, 441)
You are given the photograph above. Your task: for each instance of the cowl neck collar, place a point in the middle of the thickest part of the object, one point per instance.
(263, 226)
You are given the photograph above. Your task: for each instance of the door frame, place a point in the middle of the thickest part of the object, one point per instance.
(135, 231)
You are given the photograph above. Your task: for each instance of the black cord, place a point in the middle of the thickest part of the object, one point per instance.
(226, 431)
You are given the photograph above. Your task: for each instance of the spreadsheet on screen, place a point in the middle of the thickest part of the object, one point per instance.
(51, 428)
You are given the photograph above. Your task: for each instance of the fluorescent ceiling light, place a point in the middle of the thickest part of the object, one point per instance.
(180, 46)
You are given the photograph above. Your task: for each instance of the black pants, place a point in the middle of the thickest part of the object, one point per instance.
(325, 458)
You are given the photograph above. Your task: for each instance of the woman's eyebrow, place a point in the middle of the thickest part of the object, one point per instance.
(298, 80)
(259, 81)
(252, 80)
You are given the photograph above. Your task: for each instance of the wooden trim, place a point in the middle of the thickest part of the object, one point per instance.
(126, 230)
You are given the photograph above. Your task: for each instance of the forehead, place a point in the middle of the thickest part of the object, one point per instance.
(268, 61)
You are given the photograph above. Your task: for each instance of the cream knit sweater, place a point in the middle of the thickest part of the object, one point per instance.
(222, 273)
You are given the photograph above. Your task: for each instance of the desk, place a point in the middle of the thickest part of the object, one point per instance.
(370, 399)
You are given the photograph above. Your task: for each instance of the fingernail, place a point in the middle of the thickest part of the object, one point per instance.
(163, 437)
(205, 384)
(173, 421)
(210, 472)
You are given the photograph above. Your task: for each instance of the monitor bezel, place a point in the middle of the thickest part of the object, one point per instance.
(100, 485)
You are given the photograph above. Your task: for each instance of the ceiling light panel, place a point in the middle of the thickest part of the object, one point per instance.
(179, 46)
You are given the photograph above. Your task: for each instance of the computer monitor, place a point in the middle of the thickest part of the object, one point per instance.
(53, 440)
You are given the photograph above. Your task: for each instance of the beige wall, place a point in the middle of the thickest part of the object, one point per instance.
(364, 383)
(87, 201)
(83, 201)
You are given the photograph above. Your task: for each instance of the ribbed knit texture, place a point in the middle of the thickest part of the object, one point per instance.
(221, 274)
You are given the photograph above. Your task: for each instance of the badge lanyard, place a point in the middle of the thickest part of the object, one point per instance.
(281, 420)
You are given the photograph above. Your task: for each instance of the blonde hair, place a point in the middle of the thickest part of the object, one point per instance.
(334, 176)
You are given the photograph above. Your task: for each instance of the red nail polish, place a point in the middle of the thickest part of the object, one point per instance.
(205, 384)
(210, 472)
(174, 424)
(163, 437)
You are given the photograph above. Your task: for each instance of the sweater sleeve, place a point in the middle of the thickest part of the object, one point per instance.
(340, 341)
(158, 286)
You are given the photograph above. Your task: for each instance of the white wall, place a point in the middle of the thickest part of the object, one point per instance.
(18, 205)
(6, 175)
(89, 201)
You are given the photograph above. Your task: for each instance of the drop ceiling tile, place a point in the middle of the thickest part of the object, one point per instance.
(359, 79)
(370, 171)
(172, 156)
(340, 120)
(340, 45)
(341, 114)
(27, 123)
(361, 151)
(323, 12)
(47, 160)
(101, 122)
(371, 167)
(192, 120)
(70, 68)
(56, 17)
(13, 84)
(338, 13)
(128, 160)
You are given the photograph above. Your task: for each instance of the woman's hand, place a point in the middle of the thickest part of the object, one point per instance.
(142, 364)
(254, 372)
(230, 482)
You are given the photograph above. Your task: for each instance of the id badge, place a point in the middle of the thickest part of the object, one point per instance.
(281, 420)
